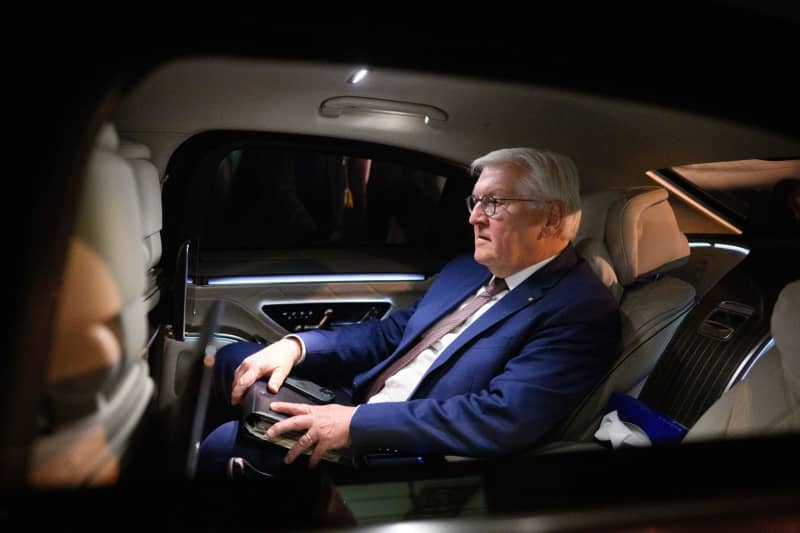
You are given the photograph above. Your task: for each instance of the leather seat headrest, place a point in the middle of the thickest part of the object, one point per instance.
(133, 150)
(107, 138)
(148, 186)
(642, 235)
(596, 254)
(784, 321)
(629, 235)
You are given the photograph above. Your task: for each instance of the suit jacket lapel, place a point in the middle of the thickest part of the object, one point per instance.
(527, 293)
(431, 310)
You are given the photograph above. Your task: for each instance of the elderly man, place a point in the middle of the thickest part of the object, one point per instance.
(501, 347)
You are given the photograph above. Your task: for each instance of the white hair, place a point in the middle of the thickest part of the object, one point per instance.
(548, 175)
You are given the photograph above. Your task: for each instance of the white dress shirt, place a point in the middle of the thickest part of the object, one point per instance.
(400, 386)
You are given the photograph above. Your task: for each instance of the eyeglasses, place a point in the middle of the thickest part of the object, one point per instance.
(489, 203)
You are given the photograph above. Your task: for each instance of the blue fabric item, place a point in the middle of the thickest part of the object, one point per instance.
(660, 428)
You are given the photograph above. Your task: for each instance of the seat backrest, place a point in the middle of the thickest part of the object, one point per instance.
(767, 400)
(148, 187)
(97, 385)
(632, 240)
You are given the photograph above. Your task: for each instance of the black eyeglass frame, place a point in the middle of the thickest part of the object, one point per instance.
(493, 201)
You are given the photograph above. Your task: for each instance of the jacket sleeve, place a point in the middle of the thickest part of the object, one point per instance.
(537, 387)
(339, 354)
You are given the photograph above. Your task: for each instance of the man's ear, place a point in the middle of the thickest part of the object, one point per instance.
(555, 215)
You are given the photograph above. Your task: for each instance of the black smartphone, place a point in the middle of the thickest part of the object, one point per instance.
(310, 390)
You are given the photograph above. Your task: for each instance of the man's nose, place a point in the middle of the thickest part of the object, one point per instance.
(477, 215)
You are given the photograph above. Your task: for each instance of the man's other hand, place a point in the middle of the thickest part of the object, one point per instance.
(276, 361)
(327, 428)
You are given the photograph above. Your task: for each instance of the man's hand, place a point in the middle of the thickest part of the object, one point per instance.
(328, 428)
(276, 360)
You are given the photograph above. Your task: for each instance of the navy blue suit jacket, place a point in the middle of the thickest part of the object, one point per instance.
(502, 383)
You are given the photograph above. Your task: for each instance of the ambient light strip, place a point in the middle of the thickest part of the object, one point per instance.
(315, 278)
(741, 249)
(731, 247)
(692, 202)
(746, 363)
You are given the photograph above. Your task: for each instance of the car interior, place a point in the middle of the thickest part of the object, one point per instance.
(230, 199)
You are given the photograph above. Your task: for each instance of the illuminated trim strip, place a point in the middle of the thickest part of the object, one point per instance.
(735, 378)
(691, 201)
(219, 336)
(315, 278)
(742, 250)
(732, 247)
(327, 301)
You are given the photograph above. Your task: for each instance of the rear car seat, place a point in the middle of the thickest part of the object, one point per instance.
(632, 240)
(148, 187)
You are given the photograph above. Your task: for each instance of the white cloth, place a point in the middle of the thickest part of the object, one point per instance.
(621, 433)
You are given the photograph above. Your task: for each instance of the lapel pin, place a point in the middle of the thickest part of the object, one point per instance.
(530, 298)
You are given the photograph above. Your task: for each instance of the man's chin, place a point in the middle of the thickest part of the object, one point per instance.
(480, 257)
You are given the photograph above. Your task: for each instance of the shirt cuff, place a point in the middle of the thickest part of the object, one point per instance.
(302, 347)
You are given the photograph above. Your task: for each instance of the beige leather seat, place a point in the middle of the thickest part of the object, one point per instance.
(97, 387)
(632, 240)
(148, 187)
(767, 400)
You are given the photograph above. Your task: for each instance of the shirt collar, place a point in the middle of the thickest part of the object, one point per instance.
(518, 277)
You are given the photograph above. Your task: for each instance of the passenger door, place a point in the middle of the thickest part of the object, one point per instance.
(299, 236)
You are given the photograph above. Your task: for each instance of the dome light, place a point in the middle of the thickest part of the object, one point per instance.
(358, 75)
